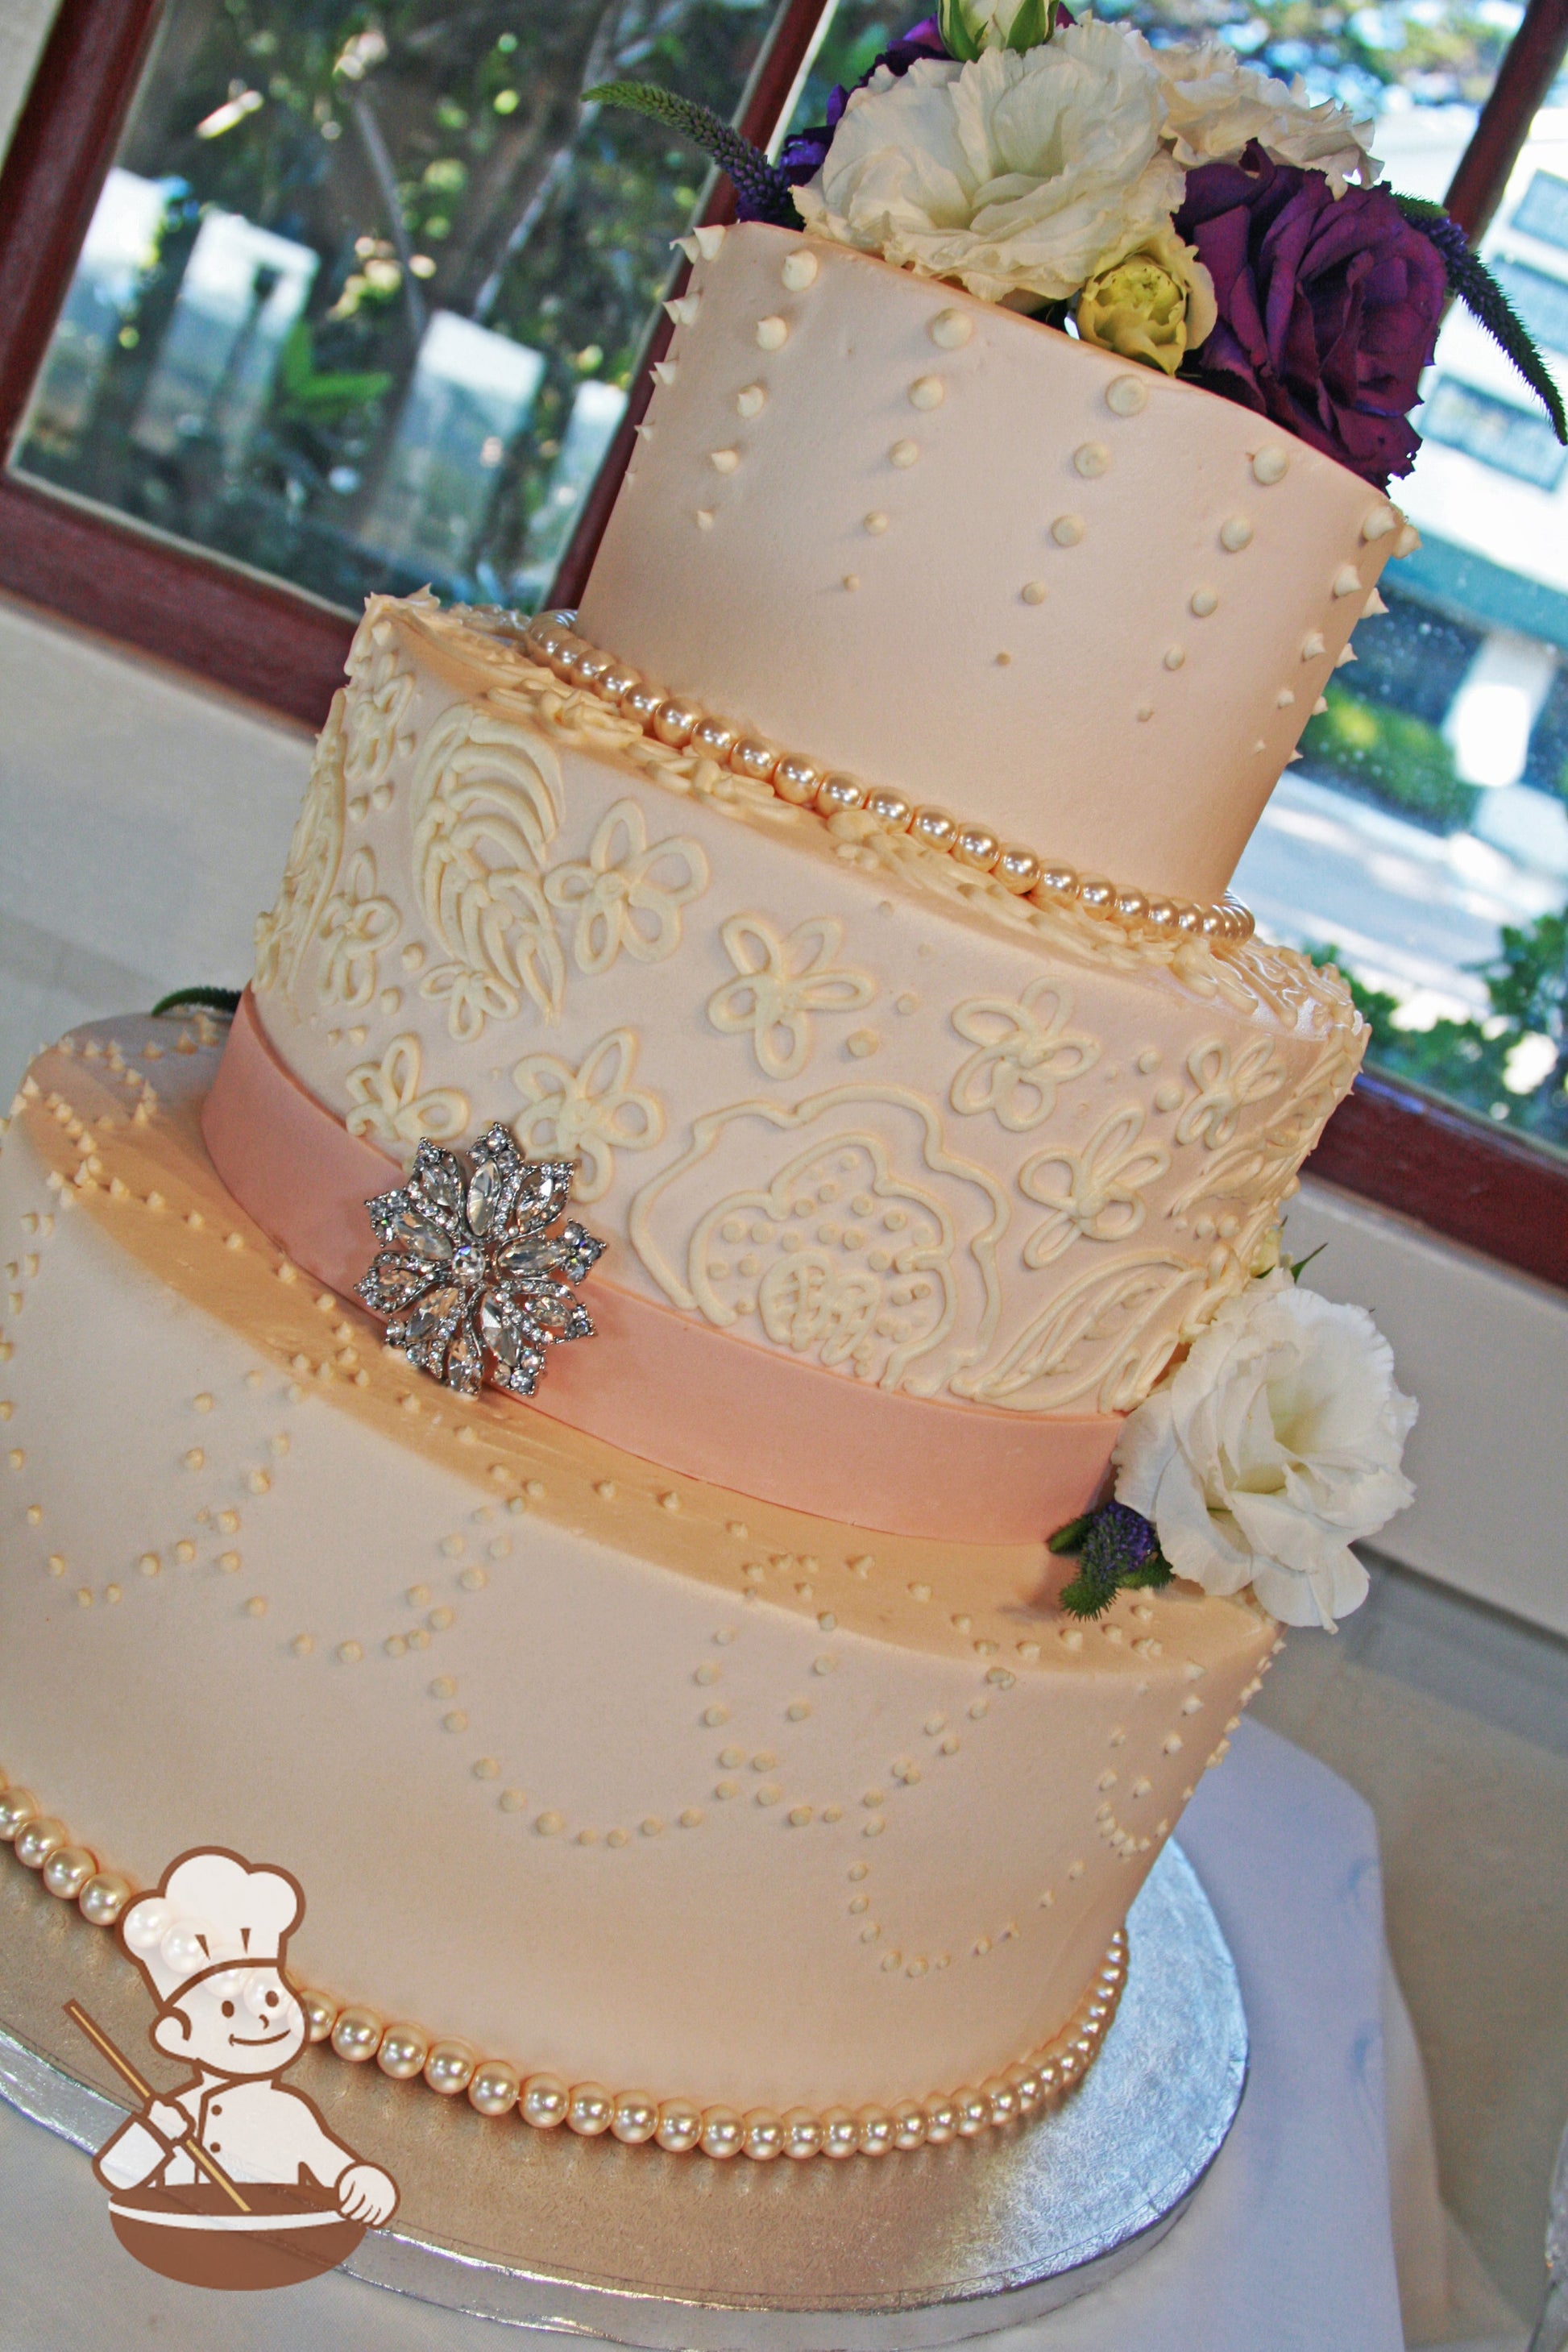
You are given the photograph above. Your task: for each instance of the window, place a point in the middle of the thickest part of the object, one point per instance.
(1543, 212)
(1517, 441)
(362, 307)
(1541, 300)
(1424, 838)
(362, 303)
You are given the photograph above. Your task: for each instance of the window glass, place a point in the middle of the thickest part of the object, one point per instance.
(1422, 840)
(1412, 53)
(362, 296)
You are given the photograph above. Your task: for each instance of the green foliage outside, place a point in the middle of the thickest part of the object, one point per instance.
(1472, 1061)
(436, 159)
(1390, 757)
(1442, 52)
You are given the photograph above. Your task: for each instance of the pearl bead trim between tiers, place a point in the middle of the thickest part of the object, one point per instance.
(676, 720)
(496, 2087)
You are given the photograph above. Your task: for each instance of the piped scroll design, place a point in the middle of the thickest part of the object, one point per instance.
(1023, 1051)
(355, 926)
(379, 693)
(485, 805)
(843, 1253)
(1095, 1193)
(1244, 1180)
(387, 1102)
(872, 1293)
(311, 863)
(626, 895)
(784, 981)
(1227, 1085)
(1107, 1337)
(587, 1114)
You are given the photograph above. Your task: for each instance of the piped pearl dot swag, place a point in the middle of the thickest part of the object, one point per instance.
(495, 2086)
(682, 724)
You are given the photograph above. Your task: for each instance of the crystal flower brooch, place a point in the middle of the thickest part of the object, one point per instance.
(474, 1284)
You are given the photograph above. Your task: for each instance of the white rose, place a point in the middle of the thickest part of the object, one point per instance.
(1214, 104)
(1275, 1446)
(1018, 176)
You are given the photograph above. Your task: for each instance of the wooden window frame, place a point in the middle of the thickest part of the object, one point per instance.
(1391, 1143)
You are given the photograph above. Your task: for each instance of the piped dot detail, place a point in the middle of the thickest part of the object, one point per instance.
(951, 329)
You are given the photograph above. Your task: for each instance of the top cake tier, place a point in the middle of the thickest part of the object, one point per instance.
(913, 536)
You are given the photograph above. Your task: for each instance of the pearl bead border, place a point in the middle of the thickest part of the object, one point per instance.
(1036, 2085)
(684, 725)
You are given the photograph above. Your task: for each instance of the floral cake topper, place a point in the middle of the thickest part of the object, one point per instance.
(1173, 206)
(476, 1284)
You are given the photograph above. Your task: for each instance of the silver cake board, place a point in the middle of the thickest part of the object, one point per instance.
(588, 2238)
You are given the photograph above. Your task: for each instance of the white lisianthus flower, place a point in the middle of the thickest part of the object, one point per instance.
(1214, 104)
(1018, 176)
(1276, 1445)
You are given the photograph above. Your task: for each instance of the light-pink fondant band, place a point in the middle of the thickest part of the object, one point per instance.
(662, 1385)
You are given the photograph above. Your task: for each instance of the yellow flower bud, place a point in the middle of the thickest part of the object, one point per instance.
(1153, 305)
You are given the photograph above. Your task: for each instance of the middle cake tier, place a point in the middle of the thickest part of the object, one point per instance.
(829, 1094)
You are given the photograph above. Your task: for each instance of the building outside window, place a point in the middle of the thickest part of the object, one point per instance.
(361, 305)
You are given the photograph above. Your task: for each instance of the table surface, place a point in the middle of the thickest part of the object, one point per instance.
(1287, 2244)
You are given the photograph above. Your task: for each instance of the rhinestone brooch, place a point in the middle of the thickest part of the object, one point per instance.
(474, 1283)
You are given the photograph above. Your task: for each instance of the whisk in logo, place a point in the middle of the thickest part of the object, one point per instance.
(233, 2179)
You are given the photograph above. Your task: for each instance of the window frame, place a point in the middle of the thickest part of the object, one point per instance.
(1389, 1142)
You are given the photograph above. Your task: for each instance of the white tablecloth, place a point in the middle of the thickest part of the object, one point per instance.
(1288, 2246)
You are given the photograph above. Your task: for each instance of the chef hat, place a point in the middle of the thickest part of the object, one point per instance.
(212, 1911)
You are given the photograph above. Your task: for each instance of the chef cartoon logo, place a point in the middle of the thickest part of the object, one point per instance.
(233, 2179)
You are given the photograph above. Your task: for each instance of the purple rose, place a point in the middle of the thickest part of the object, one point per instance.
(801, 157)
(1329, 306)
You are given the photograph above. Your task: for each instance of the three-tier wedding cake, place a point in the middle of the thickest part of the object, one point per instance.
(824, 1127)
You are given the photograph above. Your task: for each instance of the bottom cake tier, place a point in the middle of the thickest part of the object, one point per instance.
(628, 1784)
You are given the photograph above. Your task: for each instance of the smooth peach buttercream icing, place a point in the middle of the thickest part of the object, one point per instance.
(519, 1707)
(918, 537)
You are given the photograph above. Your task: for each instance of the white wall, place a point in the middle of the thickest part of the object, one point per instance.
(143, 821)
(1486, 1352)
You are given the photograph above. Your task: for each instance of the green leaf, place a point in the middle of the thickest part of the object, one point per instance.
(1300, 1264)
(324, 397)
(1035, 23)
(1087, 1596)
(958, 36)
(1069, 1538)
(207, 1000)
